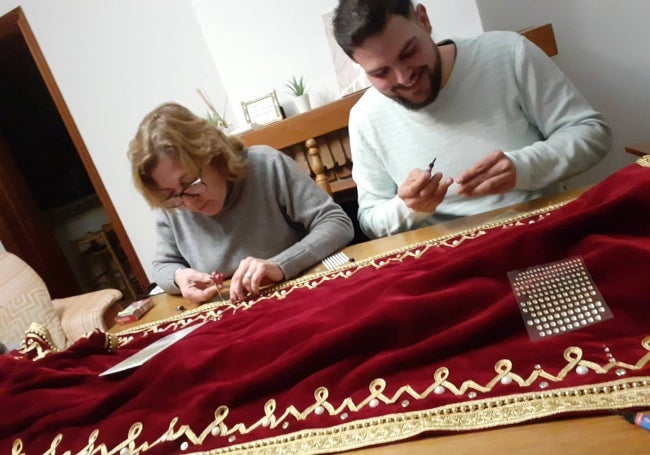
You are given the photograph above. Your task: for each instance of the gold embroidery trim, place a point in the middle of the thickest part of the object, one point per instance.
(37, 342)
(214, 310)
(644, 161)
(471, 414)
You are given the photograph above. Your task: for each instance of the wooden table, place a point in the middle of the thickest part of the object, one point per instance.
(638, 150)
(586, 435)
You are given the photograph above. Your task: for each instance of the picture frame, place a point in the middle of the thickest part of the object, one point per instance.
(263, 110)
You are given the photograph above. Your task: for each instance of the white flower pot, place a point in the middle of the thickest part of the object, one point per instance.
(302, 103)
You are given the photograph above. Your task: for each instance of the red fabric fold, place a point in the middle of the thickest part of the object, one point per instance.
(442, 314)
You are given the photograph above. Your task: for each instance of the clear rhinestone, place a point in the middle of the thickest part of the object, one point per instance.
(621, 372)
(472, 394)
(232, 438)
(184, 445)
(543, 385)
(405, 403)
(285, 425)
(344, 416)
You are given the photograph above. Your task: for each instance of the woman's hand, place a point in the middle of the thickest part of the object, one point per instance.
(197, 287)
(251, 275)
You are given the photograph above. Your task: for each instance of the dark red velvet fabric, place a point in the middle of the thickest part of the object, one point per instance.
(448, 307)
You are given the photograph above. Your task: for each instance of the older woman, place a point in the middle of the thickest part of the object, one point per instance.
(249, 213)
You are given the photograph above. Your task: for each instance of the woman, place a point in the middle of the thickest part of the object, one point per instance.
(249, 213)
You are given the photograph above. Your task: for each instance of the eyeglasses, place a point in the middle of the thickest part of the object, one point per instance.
(192, 190)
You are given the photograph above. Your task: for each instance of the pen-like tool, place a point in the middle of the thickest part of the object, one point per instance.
(430, 166)
(640, 419)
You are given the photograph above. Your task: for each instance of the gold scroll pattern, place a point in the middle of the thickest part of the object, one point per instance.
(471, 414)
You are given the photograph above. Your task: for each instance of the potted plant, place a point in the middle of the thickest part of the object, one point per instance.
(298, 89)
(212, 116)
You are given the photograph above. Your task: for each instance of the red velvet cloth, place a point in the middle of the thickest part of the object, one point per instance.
(425, 340)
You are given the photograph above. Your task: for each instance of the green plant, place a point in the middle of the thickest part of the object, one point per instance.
(296, 87)
(212, 115)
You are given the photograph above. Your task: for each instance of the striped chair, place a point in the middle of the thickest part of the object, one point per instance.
(25, 300)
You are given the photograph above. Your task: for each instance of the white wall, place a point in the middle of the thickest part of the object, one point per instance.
(259, 44)
(114, 61)
(603, 50)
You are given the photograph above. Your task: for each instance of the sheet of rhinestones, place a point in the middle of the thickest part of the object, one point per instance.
(557, 297)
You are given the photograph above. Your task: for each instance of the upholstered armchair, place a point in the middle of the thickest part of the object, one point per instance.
(24, 300)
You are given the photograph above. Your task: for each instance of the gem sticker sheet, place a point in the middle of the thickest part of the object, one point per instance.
(557, 297)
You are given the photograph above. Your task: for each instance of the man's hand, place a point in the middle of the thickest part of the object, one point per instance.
(494, 174)
(423, 192)
(251, 275)
(196, 287)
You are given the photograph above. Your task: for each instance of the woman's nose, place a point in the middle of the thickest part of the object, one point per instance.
(193, 203)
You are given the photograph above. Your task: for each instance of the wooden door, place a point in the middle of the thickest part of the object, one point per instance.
(22, 229)
(25, 233)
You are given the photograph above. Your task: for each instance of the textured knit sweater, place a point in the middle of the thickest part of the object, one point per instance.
(276, 212)
(504, 94)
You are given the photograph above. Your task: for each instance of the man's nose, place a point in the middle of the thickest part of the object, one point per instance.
(404, 75)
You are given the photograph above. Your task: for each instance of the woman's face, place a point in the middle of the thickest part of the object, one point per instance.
(172, 180)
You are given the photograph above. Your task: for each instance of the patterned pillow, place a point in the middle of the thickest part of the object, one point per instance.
(24, 299)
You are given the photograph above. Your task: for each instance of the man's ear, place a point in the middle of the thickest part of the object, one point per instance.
(422, 18)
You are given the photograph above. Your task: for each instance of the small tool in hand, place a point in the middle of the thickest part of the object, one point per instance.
(430, 166)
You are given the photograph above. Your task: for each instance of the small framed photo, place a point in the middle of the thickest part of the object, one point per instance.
(262, 110)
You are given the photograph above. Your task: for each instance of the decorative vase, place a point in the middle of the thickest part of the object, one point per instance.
(302, 103)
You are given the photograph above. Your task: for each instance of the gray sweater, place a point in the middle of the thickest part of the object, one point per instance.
(276, 212)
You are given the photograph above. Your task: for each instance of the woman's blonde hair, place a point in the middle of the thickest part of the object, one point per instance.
(174, 131)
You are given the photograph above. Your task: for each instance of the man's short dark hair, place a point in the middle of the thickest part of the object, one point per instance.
(357, 20)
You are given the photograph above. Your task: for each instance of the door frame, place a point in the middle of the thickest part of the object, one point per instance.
(15, 22)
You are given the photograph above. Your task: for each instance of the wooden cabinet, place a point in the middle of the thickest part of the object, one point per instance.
(318, 140)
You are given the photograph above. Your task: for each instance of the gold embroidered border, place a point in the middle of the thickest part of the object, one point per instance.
(214, 310)
(473, 413)
(476, 415)
(644, 161)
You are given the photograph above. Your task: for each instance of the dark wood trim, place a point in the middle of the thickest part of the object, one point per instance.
(543, 37)
(23, 26)
(638, 150)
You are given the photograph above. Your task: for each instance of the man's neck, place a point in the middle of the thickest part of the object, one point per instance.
(448, 58)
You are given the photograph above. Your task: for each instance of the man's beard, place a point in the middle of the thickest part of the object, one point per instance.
(435, 81)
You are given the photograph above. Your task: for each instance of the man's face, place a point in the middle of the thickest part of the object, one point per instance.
(403, 62)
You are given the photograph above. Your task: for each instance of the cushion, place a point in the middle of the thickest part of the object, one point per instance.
(24, 299)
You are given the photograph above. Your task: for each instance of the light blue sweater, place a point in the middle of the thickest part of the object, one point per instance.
(505, 94)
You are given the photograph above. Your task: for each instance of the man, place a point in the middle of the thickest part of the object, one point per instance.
(456, 128)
